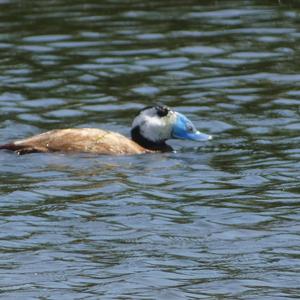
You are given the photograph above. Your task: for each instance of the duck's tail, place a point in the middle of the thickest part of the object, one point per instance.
(20, 149)
(10, 146)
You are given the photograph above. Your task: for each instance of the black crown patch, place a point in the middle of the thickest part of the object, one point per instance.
(162, 111)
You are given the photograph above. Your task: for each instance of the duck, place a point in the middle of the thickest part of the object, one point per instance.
(151, 128)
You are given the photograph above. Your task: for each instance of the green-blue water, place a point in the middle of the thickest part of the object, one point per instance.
(215, 220)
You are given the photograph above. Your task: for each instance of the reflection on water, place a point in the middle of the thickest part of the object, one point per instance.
(213, 220)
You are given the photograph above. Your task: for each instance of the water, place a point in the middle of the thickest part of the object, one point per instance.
(215, 220)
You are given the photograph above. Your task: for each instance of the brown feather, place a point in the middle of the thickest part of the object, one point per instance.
(89, 140)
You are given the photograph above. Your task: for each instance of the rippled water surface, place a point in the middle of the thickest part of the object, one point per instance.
(215, 220)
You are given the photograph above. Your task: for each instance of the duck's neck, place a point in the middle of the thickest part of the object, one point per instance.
(148, 144)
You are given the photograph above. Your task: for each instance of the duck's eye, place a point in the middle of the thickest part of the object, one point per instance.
(162, 111)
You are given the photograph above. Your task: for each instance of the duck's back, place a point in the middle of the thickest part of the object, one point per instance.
(89, 140)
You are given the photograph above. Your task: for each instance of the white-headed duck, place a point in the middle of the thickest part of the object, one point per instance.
(150, 129)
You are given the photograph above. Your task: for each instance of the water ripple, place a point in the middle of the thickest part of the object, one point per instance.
(217, 219)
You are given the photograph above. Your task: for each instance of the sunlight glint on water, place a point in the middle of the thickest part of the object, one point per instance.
(214, 220)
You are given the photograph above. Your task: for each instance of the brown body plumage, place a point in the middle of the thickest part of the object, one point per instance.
(89, 140)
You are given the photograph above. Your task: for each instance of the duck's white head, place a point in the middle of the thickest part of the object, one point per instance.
(156, 124)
